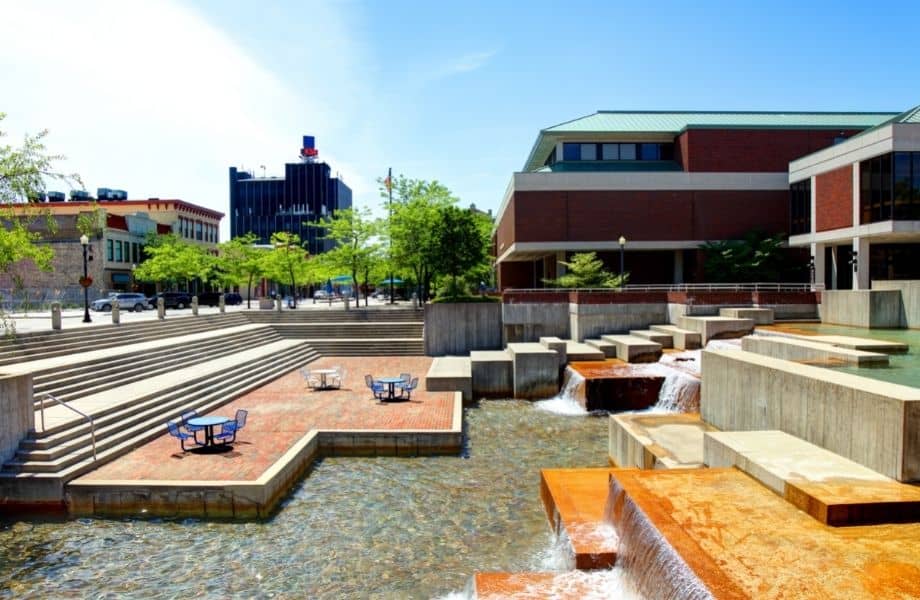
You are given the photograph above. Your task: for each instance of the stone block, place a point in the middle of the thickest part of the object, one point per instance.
(609, 350)
(634, 349)
(760, 316)
(798, 349)
(682, 339)
(535, 370)
(558, 345)
(712, 328)
(492, 372)
(659, 337)
(450, 374)
(578, 352)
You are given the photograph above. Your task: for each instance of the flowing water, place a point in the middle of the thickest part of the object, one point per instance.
(354, 528)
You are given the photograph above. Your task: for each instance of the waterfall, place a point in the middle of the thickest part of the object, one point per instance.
(680, 392)
(571, 398)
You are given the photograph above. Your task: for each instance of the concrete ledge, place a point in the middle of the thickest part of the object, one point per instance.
(656, 441)
(634, 349)
(714, 328)
(683, 339)
(609, 350)
(857, 343)
(492, 372)
(804, 350)
(659, 337)
(576, 351)
(255, 499)
(449, 374)
(559, 345)
(760, 316)
(874, 423)
(832, 489)
(535, 371)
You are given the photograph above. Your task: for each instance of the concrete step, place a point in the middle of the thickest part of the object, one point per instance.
(349, 330)
(609, 350)
(558, 345)
(535, 371)
(634, 349)
(829, 487)
(336, 315)
(683, 339)
(492, 373)
(807, 351)
(576, 351)
(711, 328)
(760, 316)
(659, 337)
(656, 440)
(451, 374)
(369, 347)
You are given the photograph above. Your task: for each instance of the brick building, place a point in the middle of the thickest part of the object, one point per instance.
(665, 181)
(123, 227)
(856, 205)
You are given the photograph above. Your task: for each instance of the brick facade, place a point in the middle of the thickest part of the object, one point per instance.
(834, 199)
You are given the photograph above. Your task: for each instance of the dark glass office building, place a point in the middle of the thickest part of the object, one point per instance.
(266, 205)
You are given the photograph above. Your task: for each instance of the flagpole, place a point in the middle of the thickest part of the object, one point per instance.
(390, 222)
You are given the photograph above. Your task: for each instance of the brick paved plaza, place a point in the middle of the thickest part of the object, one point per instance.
(281, 413)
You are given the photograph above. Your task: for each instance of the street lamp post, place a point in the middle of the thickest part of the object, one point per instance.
(622, 241)
(84, 241)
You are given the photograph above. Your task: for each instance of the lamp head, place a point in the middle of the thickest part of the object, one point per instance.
(84, 239)
(622, 240)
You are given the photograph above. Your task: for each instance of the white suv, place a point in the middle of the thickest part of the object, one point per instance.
(135, 302)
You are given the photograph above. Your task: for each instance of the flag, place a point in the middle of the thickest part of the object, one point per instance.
(388, 183)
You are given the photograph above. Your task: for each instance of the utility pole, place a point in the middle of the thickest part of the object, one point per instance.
(390, 210)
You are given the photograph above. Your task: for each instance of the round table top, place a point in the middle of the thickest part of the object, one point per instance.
(389, 379)
(208, 421)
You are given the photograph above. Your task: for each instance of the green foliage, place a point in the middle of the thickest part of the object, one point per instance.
(241, 263)
(586, 270)
(357, 250)
(173, 260)
(465, 299)
(756, 257)
(287, 261)
(460, 245)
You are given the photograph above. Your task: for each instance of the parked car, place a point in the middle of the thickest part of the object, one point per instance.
(173, 299)
(127, 301)
(213, 298)
(320, 295)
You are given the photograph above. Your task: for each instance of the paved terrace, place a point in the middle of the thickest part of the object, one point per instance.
(281, 414)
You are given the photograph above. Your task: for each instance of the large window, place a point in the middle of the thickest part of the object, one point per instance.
(198, 235)
(109, 250)
(800, 207)
(890, 187)
(119, 257)
(618, 151)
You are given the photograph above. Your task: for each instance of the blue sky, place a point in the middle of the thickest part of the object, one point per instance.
(160, 98)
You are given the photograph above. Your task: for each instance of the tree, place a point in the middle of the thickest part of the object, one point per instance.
(460, 245)
(413, 243)
(172, 260)
(356, 248)
(758, 256)
(242, 262)
(287, 261)
(586, 270)
(23, 173)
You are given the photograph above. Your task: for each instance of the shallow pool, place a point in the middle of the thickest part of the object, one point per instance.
(354, 528)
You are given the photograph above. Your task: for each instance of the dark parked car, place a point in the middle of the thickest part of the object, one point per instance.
(173, 299)
(213, 299)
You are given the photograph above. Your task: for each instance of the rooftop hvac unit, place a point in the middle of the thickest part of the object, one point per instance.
(79, 195)
(119, 195)
(103, 193)
(56, 197)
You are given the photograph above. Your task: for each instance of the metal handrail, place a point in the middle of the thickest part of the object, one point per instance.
(688, 287)
(92, 425)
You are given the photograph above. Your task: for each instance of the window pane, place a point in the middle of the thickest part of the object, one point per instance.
(118, 254)
(109, 251)
(902, 185)
(610, 151)
(886, 187)
(571, 151)
(649, 152)
(627, 152)
(589, 152)
(666, 151)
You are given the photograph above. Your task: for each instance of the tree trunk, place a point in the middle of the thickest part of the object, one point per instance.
(249, 293)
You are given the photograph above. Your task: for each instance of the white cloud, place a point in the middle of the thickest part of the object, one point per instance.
(150, 97)
(469, 62)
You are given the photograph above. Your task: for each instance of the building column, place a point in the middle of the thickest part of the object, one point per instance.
(817, 253)
(861, 276)
(678, 266)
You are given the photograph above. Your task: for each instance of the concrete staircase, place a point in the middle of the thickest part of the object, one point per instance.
(337, 315)
(130, 415)
(39, 345)
(395, 335)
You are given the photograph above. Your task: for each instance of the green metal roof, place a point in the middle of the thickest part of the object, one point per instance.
(673, 122)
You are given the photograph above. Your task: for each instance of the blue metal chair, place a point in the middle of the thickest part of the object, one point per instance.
(228, 431)
(407, 389)
(182, 435)
(378, 389)
(406, 379)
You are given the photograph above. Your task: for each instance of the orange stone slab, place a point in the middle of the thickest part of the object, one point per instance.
(741, 540)
(856, 502)
(574, 500)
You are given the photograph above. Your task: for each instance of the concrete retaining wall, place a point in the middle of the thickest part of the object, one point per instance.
(862, 308)
(531, 321)
(17, 415)
(460, 328)
(909, 309)
(874, 423)
(593, 320)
